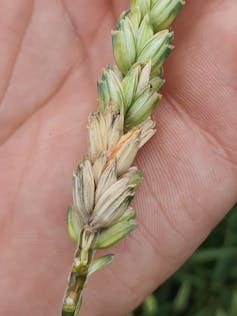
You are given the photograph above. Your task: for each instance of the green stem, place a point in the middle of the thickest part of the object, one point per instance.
(79, 273)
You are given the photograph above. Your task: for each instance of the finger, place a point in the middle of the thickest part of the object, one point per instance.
(87, 16)
(94, 29)
(12, 30)
(120, 6)
(42, 61)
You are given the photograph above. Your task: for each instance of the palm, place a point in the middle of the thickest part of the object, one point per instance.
(50, 57)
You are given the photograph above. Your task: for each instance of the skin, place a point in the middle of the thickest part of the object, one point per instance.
(51, 53)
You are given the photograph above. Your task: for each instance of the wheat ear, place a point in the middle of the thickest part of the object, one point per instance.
(104, 182)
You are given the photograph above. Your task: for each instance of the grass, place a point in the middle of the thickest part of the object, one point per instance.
(206, 285)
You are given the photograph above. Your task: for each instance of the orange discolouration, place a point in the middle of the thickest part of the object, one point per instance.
(125, 138)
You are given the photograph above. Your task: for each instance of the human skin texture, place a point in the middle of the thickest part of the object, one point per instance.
(51, 54)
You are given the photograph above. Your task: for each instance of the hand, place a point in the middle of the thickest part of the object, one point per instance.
(51, 53)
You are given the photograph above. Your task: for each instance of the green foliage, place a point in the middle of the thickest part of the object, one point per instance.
(206, 285)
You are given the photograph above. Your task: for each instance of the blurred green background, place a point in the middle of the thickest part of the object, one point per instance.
(206, 285)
